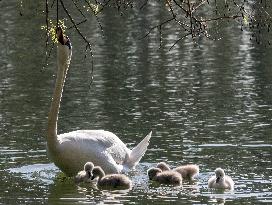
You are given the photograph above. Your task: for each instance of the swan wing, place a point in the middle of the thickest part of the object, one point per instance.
(134, 156)
(101, 147)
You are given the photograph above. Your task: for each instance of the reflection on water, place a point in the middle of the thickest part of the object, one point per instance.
(209, 104)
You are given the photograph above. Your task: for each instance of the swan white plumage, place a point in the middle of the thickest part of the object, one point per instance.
(70, 151)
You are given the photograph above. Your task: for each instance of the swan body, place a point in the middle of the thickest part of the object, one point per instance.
(118, 181)
(86, 174)
(164, 177)
(220, 180)
(70, 151)
(188, 171)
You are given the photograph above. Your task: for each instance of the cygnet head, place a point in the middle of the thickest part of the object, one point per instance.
(152, 172)
(220, 174)
(88, 166)
(97, 172)
(163, 166)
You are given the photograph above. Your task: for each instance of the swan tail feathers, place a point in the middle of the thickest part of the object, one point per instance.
(137, 152)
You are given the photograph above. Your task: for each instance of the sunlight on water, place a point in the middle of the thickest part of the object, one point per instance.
(40, 172)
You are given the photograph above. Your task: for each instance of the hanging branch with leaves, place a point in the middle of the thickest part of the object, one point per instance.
(192, 18)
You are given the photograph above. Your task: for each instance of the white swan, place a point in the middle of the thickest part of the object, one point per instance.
(70, 151)
(220, 180)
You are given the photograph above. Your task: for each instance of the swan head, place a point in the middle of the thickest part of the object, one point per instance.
(163, 166)
(60, 36)
(152, 172)
(62, 39)
(97, 172)
(220, 174)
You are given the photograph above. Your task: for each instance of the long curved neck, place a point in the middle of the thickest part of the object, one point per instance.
(64, 57)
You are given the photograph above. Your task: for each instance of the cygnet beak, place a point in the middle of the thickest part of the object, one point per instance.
(217, 179)
(90, 175)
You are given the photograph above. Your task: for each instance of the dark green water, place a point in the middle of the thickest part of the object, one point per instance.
(209, 104)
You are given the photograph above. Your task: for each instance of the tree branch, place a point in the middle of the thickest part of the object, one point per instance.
(157, 26)
(88, 46)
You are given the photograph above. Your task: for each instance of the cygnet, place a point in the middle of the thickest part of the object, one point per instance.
(86, 174)
(188, 171)
(220, 180)
(164, 177)
(118, 181)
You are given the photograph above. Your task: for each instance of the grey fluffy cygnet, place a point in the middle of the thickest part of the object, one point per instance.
(115, 181)
(164, 177)
(188, 171)
(86, 174)
(220, 180)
